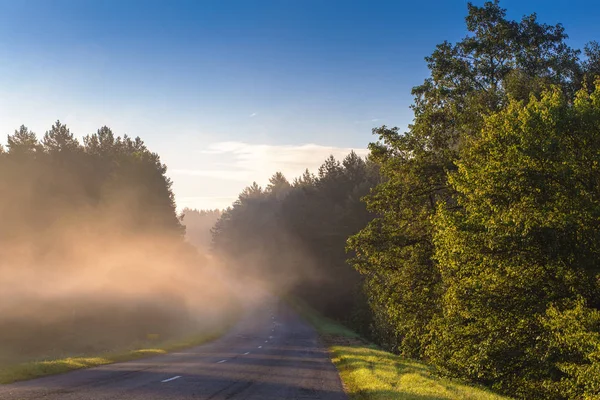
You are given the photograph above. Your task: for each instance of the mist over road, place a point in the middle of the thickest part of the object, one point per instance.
(270, 354)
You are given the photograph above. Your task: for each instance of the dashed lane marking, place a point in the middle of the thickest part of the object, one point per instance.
(171, 379)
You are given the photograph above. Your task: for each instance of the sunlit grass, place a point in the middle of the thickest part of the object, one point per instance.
(370, 373)
(36, 369)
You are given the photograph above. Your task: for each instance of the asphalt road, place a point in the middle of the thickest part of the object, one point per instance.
(270, 354)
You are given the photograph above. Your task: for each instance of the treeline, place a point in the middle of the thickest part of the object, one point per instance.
(92, 255)
(293, 235)
(117, 177)
(479, 245)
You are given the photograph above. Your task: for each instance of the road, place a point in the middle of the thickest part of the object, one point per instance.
(270, 354)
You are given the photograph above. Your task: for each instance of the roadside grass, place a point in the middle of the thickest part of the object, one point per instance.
(35, 369)
(369, 373)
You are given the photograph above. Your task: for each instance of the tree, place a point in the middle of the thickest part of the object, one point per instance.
(522, 249)
(59, 138)
(307, 179)
(469, 80)
(23, 141)
(278, 186)
(100, 143)
(591, 64)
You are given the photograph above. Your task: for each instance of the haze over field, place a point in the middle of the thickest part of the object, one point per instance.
(90, 250)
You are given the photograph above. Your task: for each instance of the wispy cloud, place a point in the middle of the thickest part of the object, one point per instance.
(253, 115)
(246, 162)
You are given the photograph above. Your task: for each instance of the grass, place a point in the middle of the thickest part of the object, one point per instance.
(36, 369)
(369, 373)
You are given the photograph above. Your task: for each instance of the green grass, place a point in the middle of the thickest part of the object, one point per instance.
(373, 374)
(36, 369)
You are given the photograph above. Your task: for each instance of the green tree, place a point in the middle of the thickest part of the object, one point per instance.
(591, 64)
(524, 241)
(498, 60)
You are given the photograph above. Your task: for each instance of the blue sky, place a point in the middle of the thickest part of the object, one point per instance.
(228, 92)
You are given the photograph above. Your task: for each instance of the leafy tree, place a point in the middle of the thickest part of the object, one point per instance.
(591, 64)
(524, 241)
(499, 59)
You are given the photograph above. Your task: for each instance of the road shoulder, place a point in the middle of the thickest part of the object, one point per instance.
(370, 373)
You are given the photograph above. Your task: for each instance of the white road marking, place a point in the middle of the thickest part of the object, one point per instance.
(171, 379)
(222, 361)
(246, 353)
(260, 347)
(266, 341)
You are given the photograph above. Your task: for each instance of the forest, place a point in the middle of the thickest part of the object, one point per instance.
(470, 241)
(92, 251)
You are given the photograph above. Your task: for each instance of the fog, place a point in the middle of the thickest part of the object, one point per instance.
(100, 290)
(92, 254)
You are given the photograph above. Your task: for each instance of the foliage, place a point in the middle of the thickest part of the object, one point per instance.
(474, 239)
(524, 241)
(501, 59)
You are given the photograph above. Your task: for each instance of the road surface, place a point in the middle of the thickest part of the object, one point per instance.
(270, 354)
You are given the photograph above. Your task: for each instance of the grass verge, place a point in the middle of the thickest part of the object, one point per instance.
(36, 369)
(369, 373)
